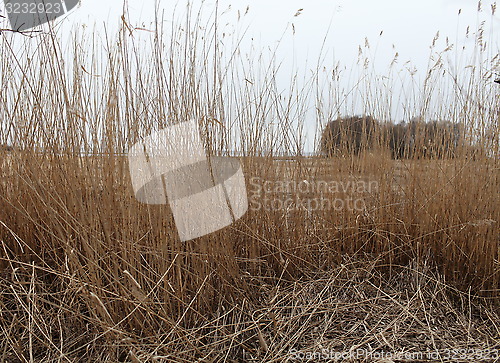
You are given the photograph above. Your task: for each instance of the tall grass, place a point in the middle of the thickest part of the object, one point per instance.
(85, 265)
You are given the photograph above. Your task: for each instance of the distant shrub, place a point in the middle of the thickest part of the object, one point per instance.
(348, 135)
(418, 139)
(415, 139)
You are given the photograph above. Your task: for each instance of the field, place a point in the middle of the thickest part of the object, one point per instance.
(361, 257)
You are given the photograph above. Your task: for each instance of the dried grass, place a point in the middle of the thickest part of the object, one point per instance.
(90, 274)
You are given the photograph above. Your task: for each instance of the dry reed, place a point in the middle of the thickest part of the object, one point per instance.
(90, 274)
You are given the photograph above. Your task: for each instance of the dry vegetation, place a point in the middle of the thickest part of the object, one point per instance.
(90, 274)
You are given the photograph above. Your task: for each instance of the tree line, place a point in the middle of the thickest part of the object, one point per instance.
(413, 139)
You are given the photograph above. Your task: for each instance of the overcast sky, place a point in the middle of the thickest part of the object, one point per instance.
(407, 27)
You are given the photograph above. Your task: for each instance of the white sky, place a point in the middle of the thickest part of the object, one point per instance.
(408, 26)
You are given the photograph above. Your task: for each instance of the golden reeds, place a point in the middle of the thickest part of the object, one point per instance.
(89, 273)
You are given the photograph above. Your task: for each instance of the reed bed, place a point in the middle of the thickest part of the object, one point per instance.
(88, 273)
